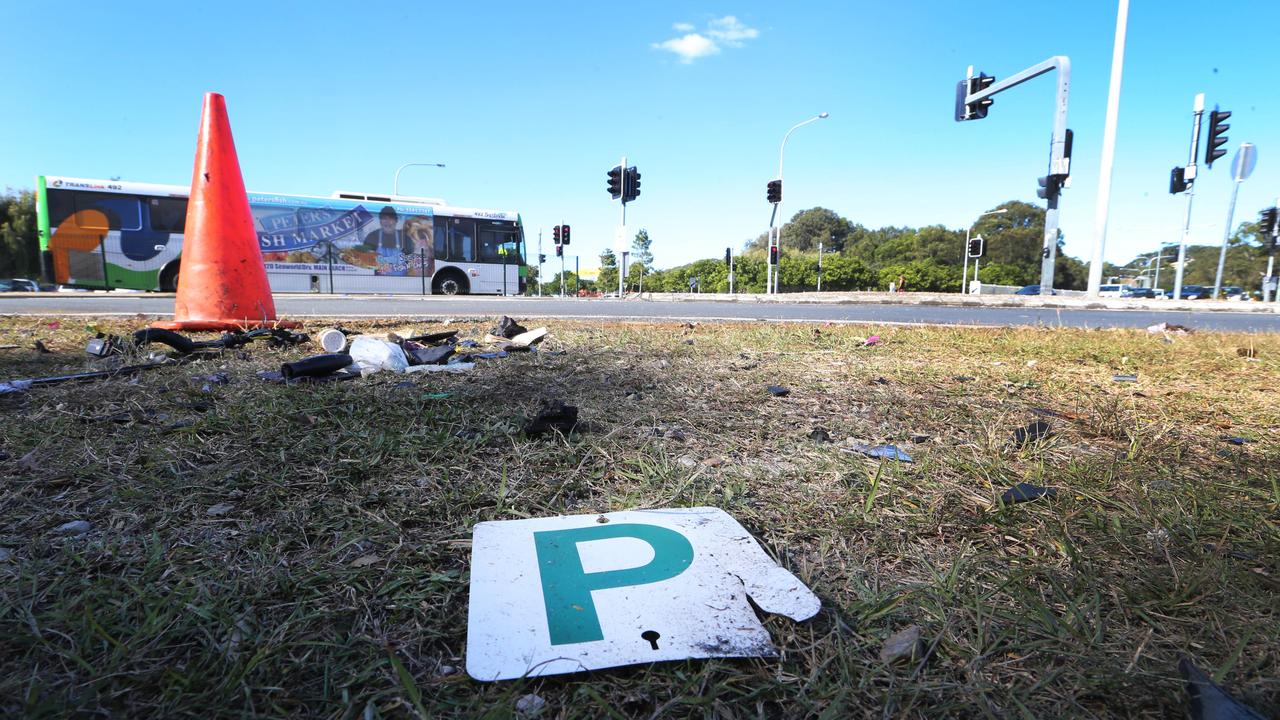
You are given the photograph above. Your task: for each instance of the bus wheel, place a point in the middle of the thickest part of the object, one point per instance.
(169, 278)
(449, 283)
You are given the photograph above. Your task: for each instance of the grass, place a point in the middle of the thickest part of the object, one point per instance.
(335, 586)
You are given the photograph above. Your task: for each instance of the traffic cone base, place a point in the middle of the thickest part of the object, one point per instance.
(223, 282)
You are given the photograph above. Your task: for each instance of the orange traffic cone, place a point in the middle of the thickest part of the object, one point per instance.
(223, 283)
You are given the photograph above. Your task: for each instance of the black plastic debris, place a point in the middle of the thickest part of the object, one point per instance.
(1025, 492)
(917, 439)
(779, 390)
(508, 328)
(434, 338)
(1125, 378)
(554, 415)
(820, 435)
(429, 355)
(277, 377)
(1033, 432)
(40, 348)
(963, 378)
(313, 367)
(11, 386)
(879, 381)
(1208, 700)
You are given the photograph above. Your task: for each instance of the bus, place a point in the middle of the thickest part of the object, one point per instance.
(110, 234)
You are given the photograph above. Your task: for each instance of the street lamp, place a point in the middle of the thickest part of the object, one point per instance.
(772, 278)
(395, 185)
(964, 278)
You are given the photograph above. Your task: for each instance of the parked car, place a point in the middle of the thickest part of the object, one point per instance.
(1111, 291)
(1194, 292)
(19, 285)
(1139, 292)
(1031, 290)
(1159, 294)
(1234, 292)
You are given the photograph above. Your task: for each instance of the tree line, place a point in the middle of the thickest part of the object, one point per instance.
(19, 241)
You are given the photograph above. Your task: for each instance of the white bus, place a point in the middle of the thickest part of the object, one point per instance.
(112, 234)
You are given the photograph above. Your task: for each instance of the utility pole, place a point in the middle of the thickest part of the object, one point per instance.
(973, 100)
(819, 266)
(1241, 167)
(539, 262)
(1108, 152)
(1188, 177)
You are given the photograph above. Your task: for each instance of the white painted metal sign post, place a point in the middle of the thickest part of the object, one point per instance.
(1241, 168)
(572, 593)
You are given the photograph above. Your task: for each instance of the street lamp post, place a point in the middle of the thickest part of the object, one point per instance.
(395, 185)
(964, 277)
(775, 239)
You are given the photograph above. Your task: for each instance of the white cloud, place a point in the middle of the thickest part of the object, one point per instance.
(731, 32)
(726, 31)
(689, 47)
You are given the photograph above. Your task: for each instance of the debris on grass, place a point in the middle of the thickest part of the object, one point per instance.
(1247, 352)
(904, 644)
(1209, 701)
(1236, 439)
(1128, 378)
(530, 338)
(554, 415)
(436, 355)
(779, 390)
(75, 528)
(316, 366)
(530, 705)
(508, 328)
(1025, 492)
(40, 348)
(455, 367)
(1033, 432)
(332, 340)
(873, 340)
(374, 355)
(888, 452)
(219, 509)
(1169, 329)
(820, 435)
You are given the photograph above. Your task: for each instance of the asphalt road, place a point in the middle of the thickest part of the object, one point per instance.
(384, 306)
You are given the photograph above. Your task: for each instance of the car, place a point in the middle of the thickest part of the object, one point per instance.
(1111, 291)
(19, 285)
(1194, 292)
(1159, 294)
(1234, 292)
(1031, 290)
(1138, 292)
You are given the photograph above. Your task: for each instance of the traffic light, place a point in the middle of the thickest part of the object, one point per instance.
(975, 247)
(964, 88)
(1217, 136)
(630, 184)
(728, 257)
(555, 235)
(773, 254)
(542, 258)
(774, 192)
(1269, 227)
(615, 182)
(559, 251)
(564, 234)
(1050, 187)
(1178, 181)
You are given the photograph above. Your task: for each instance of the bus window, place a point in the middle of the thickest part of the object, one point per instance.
(462, 240)
(490, 246)
(123, 212)
(168, 214)
(441, 235)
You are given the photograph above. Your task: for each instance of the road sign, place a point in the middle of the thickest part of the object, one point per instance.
(584, 592)
(620, 239)
(1242, 164)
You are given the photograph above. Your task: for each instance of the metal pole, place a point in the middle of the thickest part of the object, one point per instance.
(330, 253)
(1266, 289)
(778, 208)
(422, 268)
(819, 266)
(577, 277)
(1226, 235)
(622, 229)
(1108, 151)
(964, 276)
(1190, 174)
(1057, 164)
(730, 273)
(540, 280)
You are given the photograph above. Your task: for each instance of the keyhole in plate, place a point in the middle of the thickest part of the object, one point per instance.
(652, 636)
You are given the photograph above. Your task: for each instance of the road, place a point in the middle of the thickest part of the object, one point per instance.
(384, 306)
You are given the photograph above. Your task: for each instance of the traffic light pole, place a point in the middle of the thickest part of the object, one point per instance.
(622, 230)
(539, 262)
(1059, 163)
(1197, 111)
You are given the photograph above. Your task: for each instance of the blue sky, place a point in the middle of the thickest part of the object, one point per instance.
(529, 104)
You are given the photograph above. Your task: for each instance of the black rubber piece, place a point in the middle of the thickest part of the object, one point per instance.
(315, 366)
(178, 342)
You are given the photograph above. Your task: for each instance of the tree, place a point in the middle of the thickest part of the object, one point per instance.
(815, 225)
(608, 279)
(640, 249)
(19, 240)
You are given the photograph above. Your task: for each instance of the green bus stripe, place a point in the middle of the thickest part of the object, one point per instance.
(42, 213)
